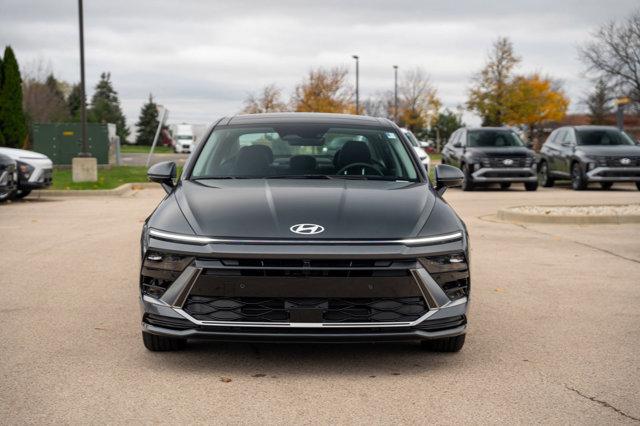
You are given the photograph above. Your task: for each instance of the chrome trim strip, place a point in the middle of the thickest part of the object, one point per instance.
(200, 240)
(320, 324)
(594, 175)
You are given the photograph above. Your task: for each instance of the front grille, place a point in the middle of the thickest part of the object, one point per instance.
(507, 162)
(308, 268)
(328, 310)
(615, 161)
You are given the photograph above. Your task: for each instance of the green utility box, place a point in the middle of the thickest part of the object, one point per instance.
(63, 141)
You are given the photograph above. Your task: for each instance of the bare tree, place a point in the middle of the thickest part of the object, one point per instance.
(269, 100)
(418, 101)
(614, 55)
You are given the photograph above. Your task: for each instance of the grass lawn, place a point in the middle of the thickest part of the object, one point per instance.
(144, 149)
(107, 178)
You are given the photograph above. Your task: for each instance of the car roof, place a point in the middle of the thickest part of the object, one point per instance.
(306, 118)
(489, 128)
(592, 127)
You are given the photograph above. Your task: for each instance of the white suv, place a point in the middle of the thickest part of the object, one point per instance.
(35, 171)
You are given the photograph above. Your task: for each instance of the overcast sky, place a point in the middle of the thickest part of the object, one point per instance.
(201, 58)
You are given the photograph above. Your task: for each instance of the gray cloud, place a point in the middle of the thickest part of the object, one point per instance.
(201, 58)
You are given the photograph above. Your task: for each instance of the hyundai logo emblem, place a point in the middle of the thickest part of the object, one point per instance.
(507, 162)
(307, 229)
(625, 161)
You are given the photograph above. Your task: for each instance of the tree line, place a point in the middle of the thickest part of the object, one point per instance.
(39, 97)
(498, 93)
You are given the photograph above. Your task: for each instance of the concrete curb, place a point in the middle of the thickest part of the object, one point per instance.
(115, 192)
(512, 216)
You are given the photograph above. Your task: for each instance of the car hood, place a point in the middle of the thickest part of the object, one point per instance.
(347, 209)
(507, 150)
(612, 151)
(21, 154)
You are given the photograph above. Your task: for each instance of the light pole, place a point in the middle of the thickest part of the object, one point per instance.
(357, 58)
(84, 152)
(395, 93)
(84, 167)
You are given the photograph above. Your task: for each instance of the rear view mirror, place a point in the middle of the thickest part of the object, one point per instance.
(163, 173)
(447, 177)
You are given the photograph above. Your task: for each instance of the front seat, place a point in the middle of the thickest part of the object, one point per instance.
(254, 160)
(302, 164)
(352, 152)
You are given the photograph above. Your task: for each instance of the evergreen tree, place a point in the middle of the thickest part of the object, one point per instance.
(12, 120)
(105, 106)
(74, 102)
(598, 103)
(147, 123)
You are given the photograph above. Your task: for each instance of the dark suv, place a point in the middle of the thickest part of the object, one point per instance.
(587, 154)
(489, 155)
(304, 227)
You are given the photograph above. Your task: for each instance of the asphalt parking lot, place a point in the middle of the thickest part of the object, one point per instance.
(554, 332)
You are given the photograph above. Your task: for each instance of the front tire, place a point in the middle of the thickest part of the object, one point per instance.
(638, 185)
(578, 179)
(467, 184)
(4, 196)
(505, 185)
(20, 194)
(446, 344)
(606, 185)
(531, 186)
(543, 175)
(156, 343)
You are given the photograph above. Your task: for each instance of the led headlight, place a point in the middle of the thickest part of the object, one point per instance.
(160, 270)
(25, 170)
(451, 272)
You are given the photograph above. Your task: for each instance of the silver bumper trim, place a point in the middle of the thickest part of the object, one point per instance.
(593, 175)
(478, 175)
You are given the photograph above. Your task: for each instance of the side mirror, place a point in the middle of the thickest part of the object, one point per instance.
(529, 145)
(163, 173)
(424, 144)
(447, 177)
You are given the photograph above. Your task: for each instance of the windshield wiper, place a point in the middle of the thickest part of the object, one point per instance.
(365, 177)
(213, 177)
(298, 177)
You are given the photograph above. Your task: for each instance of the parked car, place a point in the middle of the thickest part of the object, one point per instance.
(8, 177)
(585, 154)
(418, 148)
(268, 236)
(489, 155)
(35, 171)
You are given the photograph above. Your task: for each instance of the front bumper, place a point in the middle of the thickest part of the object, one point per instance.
(171, 314)
(505, 174)
(164, 320)
(39, 179)
(614, 174)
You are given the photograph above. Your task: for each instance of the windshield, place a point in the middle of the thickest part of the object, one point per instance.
(304, 151)
(605, 137)
(494, 138)
(412, 138)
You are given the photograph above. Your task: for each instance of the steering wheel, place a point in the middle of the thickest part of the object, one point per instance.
(362, 167)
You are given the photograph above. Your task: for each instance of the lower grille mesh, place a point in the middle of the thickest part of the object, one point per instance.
(332, 310)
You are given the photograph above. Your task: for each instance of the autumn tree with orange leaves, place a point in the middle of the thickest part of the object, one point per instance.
(533, 100)
(324, 90)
